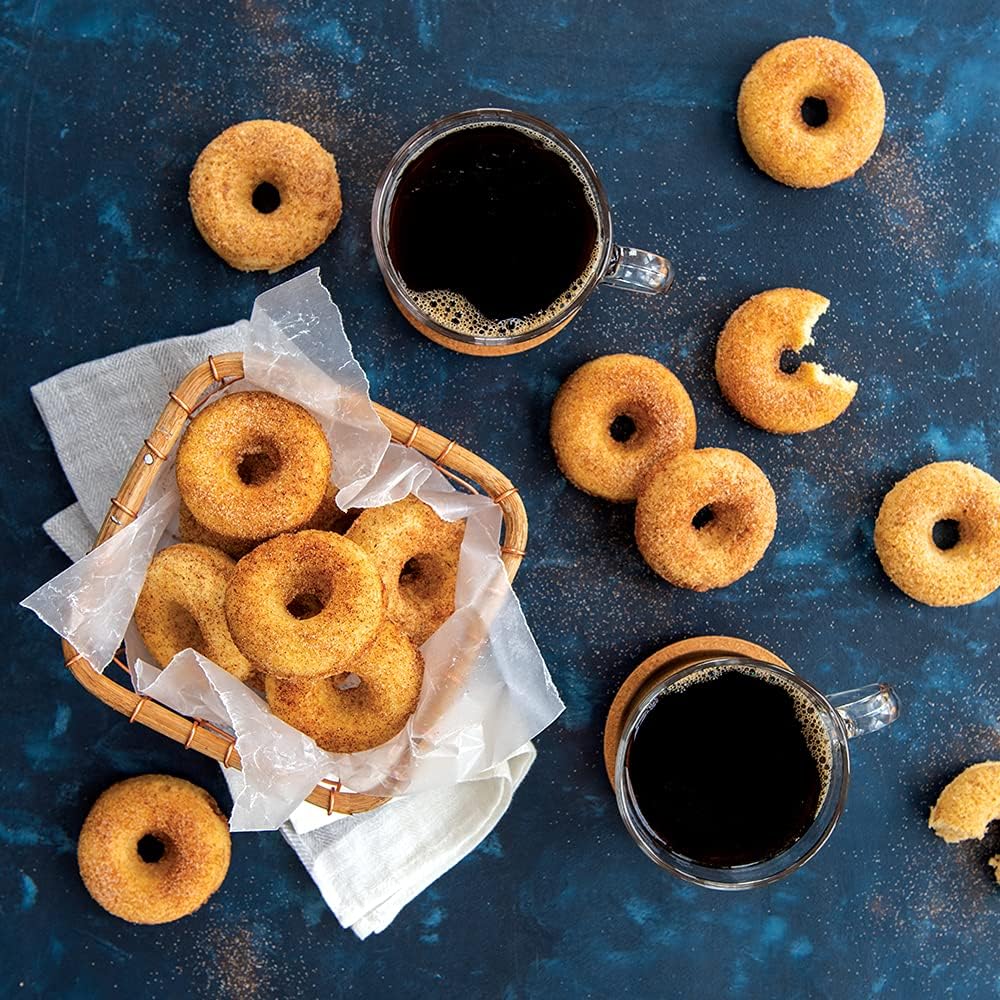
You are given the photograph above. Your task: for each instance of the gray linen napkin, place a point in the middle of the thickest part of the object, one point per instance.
(98, 412)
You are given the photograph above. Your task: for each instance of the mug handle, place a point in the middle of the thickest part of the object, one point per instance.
(866, 709)
(638, 271)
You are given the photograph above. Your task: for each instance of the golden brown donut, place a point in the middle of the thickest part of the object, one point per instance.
(305, 604)
(769, 111)
(252, 465)
(614, 419)
(904, 540)
(748, 364)
(416, 553)
(177, 826)
(231, 169)
(181, 607)
(328, 517)
(704, 518)
(344, 716)
(968, 804)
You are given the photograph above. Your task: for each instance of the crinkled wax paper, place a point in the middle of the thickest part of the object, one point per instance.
(486, 689)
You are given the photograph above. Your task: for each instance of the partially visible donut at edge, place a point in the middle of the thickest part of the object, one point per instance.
(962, 573)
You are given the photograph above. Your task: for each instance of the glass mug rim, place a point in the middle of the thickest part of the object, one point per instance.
(794, 856)
(418, 143)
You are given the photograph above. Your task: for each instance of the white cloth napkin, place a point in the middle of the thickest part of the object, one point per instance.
(369, 866)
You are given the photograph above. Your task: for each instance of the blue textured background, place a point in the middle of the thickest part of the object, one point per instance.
(105, 107)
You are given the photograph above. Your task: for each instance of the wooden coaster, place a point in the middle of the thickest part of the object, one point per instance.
(665, 661)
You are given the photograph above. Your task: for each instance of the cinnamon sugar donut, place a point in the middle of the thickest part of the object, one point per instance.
(264, 194)
(968, 500)
(748, 364)
(181, 607)
(328, 517)
(252, 465)
(364, 706)
(153, 849)
(968, 804)
(825, 82)
(305, 604)
(417, 554)
(704, 518)
(615, 418)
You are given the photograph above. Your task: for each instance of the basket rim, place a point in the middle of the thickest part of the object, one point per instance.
(201, 384)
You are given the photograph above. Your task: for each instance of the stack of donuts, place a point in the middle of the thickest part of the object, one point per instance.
(323, 610)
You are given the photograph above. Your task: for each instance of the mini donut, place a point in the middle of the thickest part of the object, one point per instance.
(252, 465)
(416, 553)
(304, 604)
(177, 826)
(181, 607)
(258, 158)
(361, 708)
(968, 804)
(904, 539)
(328, 517)
(776, 95)
(614, 419)
(704, 518)
(748, 364)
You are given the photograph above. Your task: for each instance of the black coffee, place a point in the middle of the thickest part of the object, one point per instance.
(730, 768)
(492, 230)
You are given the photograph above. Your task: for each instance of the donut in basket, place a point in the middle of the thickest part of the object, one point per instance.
(327, 624)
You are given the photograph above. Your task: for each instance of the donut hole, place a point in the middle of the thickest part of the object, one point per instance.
(417, 579)
(946, 534)
(703, 517)
(185, 631)
(719, 521)
(265, 198)
(622, 428)
(256, 467)
(789, 361)
(346, 681)
(150, 848)
(815, 112)
(305, 606)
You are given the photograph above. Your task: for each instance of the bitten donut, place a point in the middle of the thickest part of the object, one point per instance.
(252, 465)
(704, 518)
(615, 418)
(328, 517)
(153, 849)
(811, 112)
(968, 501)
(968, 804)
(361, 708)
(181, 607)
(416, 553)
(305, 604)
(748, 364)
(264, 194)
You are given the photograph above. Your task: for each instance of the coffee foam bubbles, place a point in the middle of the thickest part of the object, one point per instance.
(454, 311)
(814, 729)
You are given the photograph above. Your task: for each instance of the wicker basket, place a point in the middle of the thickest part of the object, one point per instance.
(197, 388)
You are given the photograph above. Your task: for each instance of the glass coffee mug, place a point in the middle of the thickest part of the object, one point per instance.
(426, 210)
(828, 722)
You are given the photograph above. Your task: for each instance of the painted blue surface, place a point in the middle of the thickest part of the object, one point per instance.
(105, 107)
